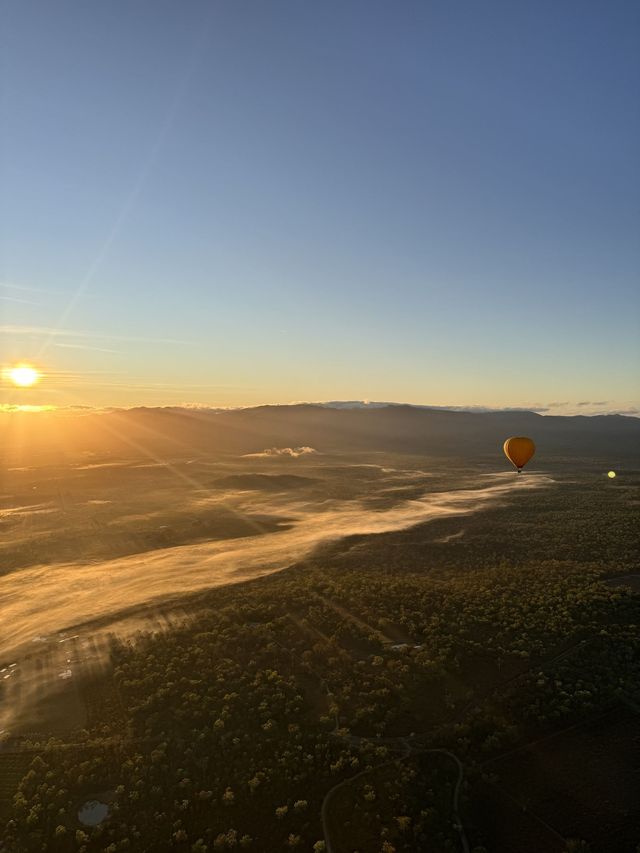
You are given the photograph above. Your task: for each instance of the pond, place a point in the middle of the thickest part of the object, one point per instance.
(92, 813)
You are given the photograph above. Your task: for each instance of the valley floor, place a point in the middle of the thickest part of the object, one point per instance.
(464, 683)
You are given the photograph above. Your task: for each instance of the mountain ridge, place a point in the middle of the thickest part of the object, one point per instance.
(398, 429)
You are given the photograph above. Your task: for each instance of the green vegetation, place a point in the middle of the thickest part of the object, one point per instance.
(374, 699)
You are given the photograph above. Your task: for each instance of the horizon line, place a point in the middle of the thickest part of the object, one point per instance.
(337, 405)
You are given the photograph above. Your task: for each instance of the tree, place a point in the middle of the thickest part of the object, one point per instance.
(577, 845)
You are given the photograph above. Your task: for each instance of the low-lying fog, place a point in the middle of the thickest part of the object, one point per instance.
(281, 522)
(274, 517)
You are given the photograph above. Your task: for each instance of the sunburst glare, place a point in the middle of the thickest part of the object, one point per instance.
(23, 375)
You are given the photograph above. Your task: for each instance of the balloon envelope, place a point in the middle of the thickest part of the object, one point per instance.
(519, 449)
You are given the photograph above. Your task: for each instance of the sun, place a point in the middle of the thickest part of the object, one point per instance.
(23, 375)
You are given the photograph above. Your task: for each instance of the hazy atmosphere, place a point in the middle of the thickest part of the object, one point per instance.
(319, 426)
(425, 204)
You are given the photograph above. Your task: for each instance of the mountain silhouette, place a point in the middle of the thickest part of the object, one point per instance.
(392, 428)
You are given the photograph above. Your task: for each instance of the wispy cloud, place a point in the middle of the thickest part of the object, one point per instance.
(168, 389)
(18, 299)
(85, 347)
(30, 288)
(593, 407)
(47, 331)
(283, 451)
(8, 285)
(24, 407)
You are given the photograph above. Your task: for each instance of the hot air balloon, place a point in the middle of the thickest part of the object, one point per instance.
(519, 449)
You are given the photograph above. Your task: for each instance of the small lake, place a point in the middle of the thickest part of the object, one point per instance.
(92, 813)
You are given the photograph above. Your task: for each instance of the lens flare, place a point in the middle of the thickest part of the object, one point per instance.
(611, 474)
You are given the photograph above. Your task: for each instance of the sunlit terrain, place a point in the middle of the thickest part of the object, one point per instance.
(319, 427)
(161, 531)
(413, 612)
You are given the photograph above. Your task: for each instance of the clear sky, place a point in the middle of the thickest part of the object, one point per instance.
(242, 202)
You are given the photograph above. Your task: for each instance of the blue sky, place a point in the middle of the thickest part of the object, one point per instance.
(243, 202)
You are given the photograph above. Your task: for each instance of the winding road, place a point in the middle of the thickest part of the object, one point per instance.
(408, 751)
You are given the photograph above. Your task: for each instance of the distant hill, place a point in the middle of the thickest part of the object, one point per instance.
(25, 437)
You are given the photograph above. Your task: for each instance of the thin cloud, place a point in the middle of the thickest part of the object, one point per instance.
(205, 407)
(283, 451)
(77, 334)
(18, 300)
(7, 408)
(86, 347)
(373, 404)
(166, 389)
(29, 288)
(22, 287)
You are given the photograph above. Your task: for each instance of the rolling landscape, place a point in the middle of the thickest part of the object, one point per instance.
(314, 640)
(319, 426)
